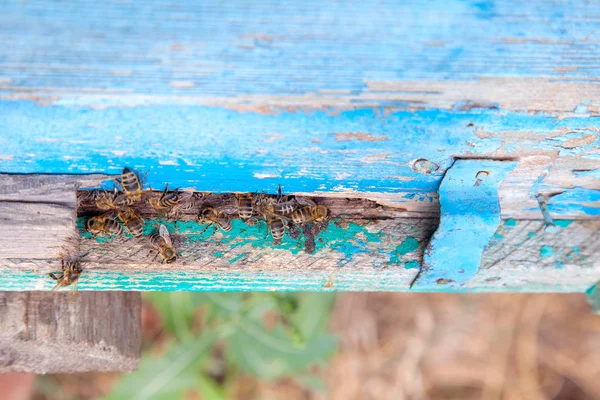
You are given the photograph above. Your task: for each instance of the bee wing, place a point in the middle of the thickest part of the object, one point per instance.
(111, 214)
(304, 201)
(229, 209)
(164, 233)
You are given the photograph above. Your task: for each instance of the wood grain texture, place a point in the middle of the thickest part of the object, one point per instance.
(48, 332)
(324, 97)
(38, 215)
(365, 246)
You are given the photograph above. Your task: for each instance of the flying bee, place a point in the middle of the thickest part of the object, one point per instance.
(170, 201)
(216, 217)
(316, 213)
(245, 205)
(133, 222)
(111, 201)
(69, 273)
(105, 223)
(161, 241)
(131, 184)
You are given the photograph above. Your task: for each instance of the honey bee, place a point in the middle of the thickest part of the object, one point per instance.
(69, 275)
(316, 213)
(161, 241)
(283, 205)
(212, 216)
(245, 205)
(131, 184)
(111, 201)
(170, 201)
(133, 222)
(105, 223)
(276, 226)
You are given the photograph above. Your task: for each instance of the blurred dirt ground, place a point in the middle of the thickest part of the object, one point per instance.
(435, 346)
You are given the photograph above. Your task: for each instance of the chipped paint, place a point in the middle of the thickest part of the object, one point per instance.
(228, 153)
(362, 136)
(546, 251)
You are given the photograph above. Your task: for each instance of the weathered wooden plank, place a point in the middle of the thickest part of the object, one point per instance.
(38, 215)
(323, 97)
(330, 100)
(359, 153)
(45, 332)
(249, 50)
(365, 246)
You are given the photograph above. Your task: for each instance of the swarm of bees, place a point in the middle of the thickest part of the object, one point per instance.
(279, 212)
(119, 214)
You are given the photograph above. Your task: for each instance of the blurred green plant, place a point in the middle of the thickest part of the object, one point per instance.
(215, 337)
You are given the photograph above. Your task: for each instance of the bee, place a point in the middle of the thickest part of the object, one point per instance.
(161, 241)
(105, 223)
(171, 201)
(283, 205)
(276, 226)
(131, 184)
(211, 216)
(69, 275)
(111, 201)
(316, 213)
(133, 222)
(245, 205)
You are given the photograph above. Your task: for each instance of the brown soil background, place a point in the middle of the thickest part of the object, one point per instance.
(434, 346)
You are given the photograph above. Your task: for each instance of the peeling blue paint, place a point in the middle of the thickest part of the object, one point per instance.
(563, 223)
(221, 150)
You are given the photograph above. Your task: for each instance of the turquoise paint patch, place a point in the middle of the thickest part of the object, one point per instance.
(237, 258)
(562, 223)
(576, 250)
(412, 265)
(409, 245)
(546, 251)
(559, 264)
(348, 240)
(510, 222)
(498, 236)
(530, 235)
(80, 225)
(218, 254)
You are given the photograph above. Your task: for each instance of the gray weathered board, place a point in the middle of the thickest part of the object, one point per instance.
(52, 332)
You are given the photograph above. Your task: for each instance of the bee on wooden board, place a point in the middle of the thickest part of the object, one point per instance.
(284, 205)
(245, 205)
(315, 213)
(105, 223)
(276, 226)
(170, 201)
(212, 216)
(111, 201)
(133, 222)
(69, 273)
(131, 184)
(161, 241)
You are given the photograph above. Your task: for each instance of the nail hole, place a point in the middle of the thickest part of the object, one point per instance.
(424, 166)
